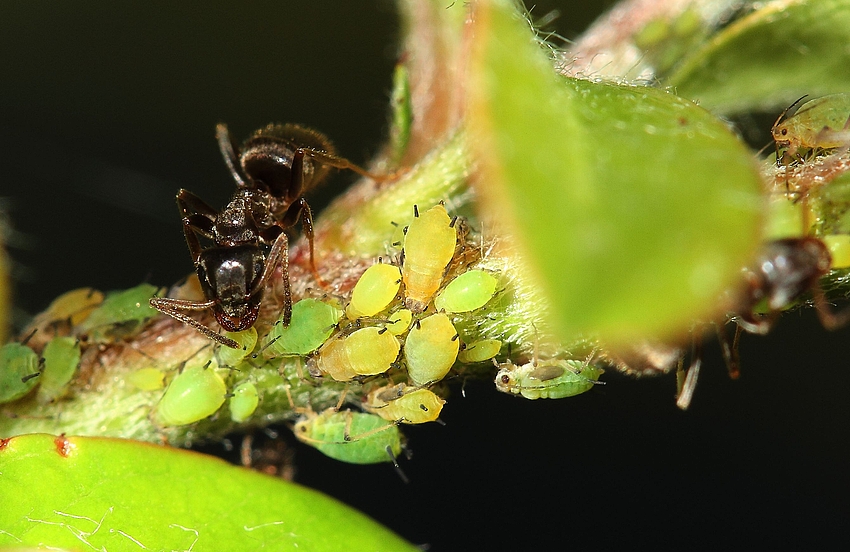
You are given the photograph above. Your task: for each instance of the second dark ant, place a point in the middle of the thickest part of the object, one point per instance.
(784, 271)
(274, 168)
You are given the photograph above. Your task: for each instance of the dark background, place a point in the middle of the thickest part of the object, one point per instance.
(106, 110)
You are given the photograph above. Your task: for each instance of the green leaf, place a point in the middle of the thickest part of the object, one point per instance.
(771, 57)
(635, 208)
(109, 494)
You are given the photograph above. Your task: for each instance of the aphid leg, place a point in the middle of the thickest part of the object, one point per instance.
(341, 398)
(730, 350)
(398, 469)
(246, 456)
(686, 392)
(175, 307)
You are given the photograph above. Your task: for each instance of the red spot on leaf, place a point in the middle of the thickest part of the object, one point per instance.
(4, 442)
(63, 446)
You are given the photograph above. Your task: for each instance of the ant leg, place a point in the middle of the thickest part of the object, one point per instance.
(830, 320)
(686, 393)
(279, 254)
(174, 308)
(225, 145)
(730, 350)
(300, 209)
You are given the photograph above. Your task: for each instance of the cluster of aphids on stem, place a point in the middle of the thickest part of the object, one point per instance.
(811, 150)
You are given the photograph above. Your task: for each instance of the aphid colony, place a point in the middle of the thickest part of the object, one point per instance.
(385, 349)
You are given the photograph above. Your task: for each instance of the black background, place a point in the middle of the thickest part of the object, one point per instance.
(106, 110)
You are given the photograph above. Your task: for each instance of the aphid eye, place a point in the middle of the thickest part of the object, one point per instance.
(784, 131)
(506, 379)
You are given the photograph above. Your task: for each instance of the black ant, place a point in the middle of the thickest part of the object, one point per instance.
(275, 167)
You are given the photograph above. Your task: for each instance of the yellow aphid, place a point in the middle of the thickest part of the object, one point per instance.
(431, 349)
(374, 291)
(399, 321)
(480, 351)
(366, 352)
(147, 379)
(405, 404)
(429, 246)
(71, 308)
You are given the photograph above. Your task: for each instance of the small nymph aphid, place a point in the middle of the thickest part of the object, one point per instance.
(468, 292)
(61, 360)
(479, 351)
(194, 394)
(404, 404)
(353, 437)
(431, 349)
(399, 321)
(429, 246)
(374, 291)
(313, 322)
(366, 352)
(246, 339)
(819, 125)
(18, 371)
(244, 401)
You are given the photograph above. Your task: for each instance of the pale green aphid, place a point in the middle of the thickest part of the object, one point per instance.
(61, 360)
(72, 307)
(246, 339)
(194, 394)
(244, 401)
(479, 351)
(374, 291)
(551, 379)
(18, 371)
(468, 292)
(402, 113)
(399, 321)
(147, 379)
(366, 352)
(429, 246)
(819, 124)
(312, 323)
(431, 349)
(121, 312)
(352, 437)
(405, 404)
(839, 249)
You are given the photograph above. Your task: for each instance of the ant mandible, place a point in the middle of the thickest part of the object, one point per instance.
(275, 167)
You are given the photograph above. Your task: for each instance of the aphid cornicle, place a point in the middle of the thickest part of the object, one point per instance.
(275, 167)
(429, 245)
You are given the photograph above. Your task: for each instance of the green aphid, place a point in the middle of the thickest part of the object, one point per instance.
(479, 351)
(194, 394)
(429, 246)
(551, 379)
(468, 292)
(404, 404)
(312, 323)
(246, 339)
(399, 321)
(61, 360)
(820, 124)
(366, 352)
(147, 379)
(374, 291)
(18, 371)
(352, 437)
(244, 401)
(120, 314)
(431, 349)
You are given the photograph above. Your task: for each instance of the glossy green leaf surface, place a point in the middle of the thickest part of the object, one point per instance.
(634, 208)
(771, 57)
(108, 494)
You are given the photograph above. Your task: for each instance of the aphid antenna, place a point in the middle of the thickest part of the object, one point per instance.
(397, 468)
(256, 354)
